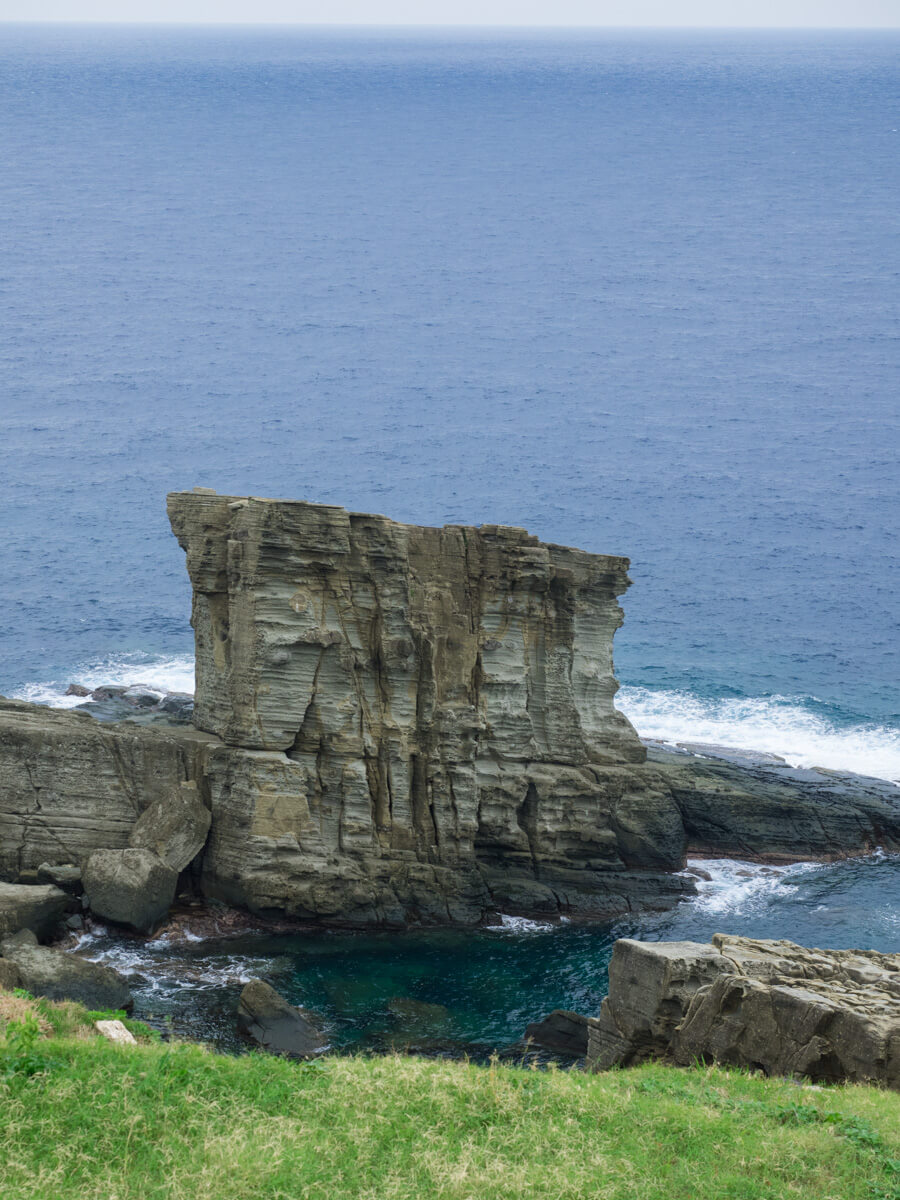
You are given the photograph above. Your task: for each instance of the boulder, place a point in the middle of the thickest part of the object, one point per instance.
(14, 941)
(9, 975)
(131, 887)
(269, 1020)
(828, 1015)
(174, 827)
(561, 1032)
(61, 976)
(77, 689)
(39, 908)
(66, 876)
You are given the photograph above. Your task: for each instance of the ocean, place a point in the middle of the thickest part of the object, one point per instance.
(635, 292)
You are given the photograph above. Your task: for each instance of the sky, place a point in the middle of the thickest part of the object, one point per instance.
(688, 13)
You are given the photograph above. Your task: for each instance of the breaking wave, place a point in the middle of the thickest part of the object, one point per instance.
(174, 673)
(780, 725)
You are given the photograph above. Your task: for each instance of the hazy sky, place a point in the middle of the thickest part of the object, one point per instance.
(766, 13)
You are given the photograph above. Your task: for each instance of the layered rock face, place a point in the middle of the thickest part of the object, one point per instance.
(769, 1005)
(415, 723)
(70, 785)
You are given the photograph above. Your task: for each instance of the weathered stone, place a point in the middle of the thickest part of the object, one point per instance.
(268, 1019)
(650, 986)
(418, 723)
(10, 976)
(38, 908)
(115, 1031)
(14, 941)
(66, 876)
(562, 1032)
(69, 785)
(60, 976)
(77, 689)
(174, 827)
(131, 887)
(740, 804)
(768, 1005)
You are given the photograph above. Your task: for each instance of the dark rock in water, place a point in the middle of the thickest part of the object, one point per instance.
(39, 908)
(131, 887)
(107, 693)
(268, 1019)
(60, 976)
(773, 1006)
(562, 1032)
(141, 695)
(758, 810)
(178, 706)
(417, 1017)
(77, 689)
(174, 827)
(65, 876)
(75, 922)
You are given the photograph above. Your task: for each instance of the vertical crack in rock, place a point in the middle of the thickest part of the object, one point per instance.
(421, 682)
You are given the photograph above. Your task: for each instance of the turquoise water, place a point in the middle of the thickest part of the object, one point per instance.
(473, 992)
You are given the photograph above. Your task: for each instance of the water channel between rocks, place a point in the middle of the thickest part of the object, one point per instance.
(464, 991)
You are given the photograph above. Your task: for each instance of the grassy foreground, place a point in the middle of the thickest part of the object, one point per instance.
(82, 1119)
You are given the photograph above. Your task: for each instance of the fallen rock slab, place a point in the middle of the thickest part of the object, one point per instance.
(36, 907)
(61, 976)
(267, 1018)
(115, 1031)
(773, 1006)
(174, 827)
(562, 1032)
(131, 887)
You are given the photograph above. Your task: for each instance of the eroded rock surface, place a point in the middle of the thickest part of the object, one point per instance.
(132, 887)
(59, 976)
(416, 723)
(174, 827)
(769, 1005)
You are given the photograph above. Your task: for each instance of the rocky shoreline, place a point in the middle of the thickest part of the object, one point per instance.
(393, 727)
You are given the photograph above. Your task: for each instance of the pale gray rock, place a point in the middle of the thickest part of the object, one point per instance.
(10, 976)
(774, 1006)
(132, 887)
(60, 976)
(39, 908)
(267, 1018)
(174, 827)
(65, 876)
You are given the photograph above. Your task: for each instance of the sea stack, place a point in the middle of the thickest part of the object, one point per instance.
(414, 723)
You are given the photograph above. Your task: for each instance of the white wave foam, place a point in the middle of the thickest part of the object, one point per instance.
(741, 888)
(510, 924)
(165, 971)
(776, 724)
(164, 674)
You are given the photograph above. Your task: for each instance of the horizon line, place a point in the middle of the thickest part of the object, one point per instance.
(435, 25)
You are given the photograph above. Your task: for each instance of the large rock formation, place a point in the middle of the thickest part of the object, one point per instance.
(416, 723)
(769, 1005)
(395, 725)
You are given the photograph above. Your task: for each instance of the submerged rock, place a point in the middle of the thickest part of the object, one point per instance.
(267, 1018)
(131, 887)
(828, 1015)
(39, 908)
(60, 976)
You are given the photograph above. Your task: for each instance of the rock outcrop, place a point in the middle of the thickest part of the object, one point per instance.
(416, 724)
(132, 887)
(268, 1019)
(774, 1006)
(396, 725)
(39, 908)
(59, 976)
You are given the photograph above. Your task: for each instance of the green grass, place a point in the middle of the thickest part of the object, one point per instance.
(147, 1122)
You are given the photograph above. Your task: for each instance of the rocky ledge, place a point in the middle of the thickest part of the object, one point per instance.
(826, 1015)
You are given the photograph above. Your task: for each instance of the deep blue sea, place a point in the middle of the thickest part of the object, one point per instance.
(637, 293)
